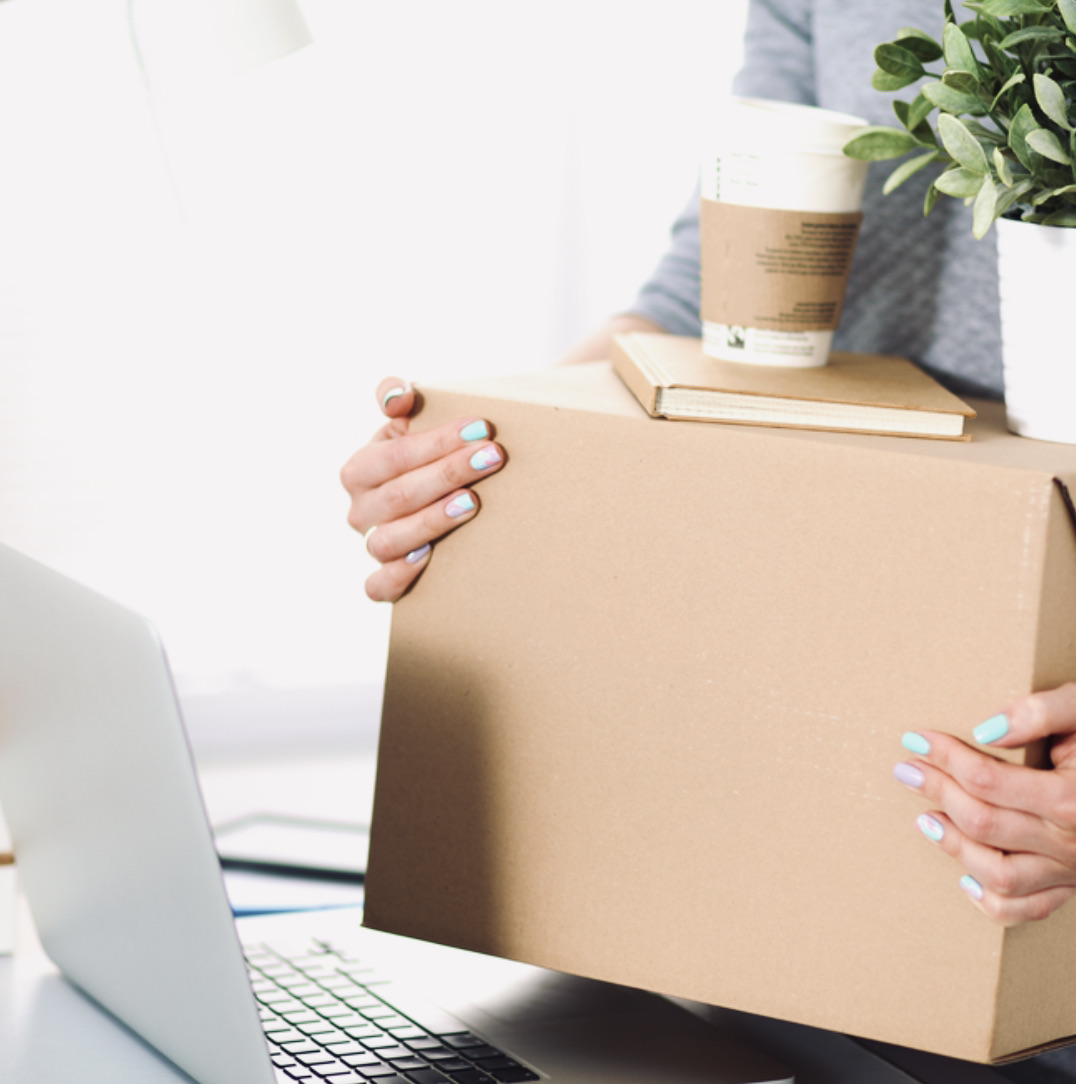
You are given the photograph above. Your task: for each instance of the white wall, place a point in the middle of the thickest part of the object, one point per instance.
(189, 339)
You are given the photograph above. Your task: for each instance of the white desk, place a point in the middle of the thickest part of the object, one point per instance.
(52, 1034)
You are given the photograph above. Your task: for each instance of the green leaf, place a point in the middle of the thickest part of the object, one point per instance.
(1023, 123)
(1014, 194)
(1002, 9)
(985, 210)
(1048, 145)
(1063, 217)
(886, 83)
(877, 144)
(961, 80)
(922, 44)
(1053, 193)
(960, 183)
(899, 62)
(961, 144)
(906, 170)
(985, 135)
(930, 199)
(953, 101)
(1001, 167)
(921, 108)
(958, 54)
(1068, 13)
(1013, 81)
(1030, 33)
(1051, 99)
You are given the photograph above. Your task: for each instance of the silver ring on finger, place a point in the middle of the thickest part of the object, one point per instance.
(366, 536)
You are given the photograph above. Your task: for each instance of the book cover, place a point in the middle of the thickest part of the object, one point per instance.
(862, 393)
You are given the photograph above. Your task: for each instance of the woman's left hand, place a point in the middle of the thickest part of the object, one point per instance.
(1012, 828)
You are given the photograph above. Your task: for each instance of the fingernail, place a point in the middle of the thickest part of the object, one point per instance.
(485, 458)
(415, 556)
(459, 506)
(971, 886)
(915, 743)
(393, 393)
(992, 730)
(909, 775)
(474, 431)
(931, 827)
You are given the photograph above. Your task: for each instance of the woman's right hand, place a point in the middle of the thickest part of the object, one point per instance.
(410, 489)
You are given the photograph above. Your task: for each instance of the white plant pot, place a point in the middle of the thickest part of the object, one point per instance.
(1036, 274)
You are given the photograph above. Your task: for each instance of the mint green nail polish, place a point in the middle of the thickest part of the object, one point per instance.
(971, 886)
(485, 458)
(459, 506)
(915, 743)
(992, 730)
(474, 431)
(931, 827)
(393, 393)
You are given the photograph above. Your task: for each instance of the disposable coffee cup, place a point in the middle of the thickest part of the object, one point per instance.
(779, 219)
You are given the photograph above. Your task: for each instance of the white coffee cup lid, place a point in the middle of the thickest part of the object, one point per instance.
(772, 125)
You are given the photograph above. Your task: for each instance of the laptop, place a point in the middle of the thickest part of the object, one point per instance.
(119, 869)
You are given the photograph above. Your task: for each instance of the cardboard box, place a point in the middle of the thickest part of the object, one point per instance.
(641, 717)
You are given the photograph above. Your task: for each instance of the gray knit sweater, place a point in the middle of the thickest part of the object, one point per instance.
(920, 287)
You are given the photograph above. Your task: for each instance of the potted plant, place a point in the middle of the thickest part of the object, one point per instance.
(994, 116)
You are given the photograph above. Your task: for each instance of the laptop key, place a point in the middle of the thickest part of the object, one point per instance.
(328, 1069)
(472, 1076)
(347, 1047)
(427, 1076)
(405, 1033)
(292, 1035)
(405, 1065)
(319, 1057)
(376, 1042)
(303, 1047)
(480, 1050)
(462, 1039)
(519, 1075)
(392, 1053)
(361, 1060)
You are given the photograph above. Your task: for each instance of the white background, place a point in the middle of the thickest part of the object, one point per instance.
(200, 287)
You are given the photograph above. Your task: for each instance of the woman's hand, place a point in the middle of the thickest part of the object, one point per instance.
(408, 489)
(1012, 828)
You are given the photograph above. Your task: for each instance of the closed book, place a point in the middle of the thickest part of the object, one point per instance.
(858, 393)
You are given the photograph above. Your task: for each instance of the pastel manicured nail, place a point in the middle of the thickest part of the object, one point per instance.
(971, 886)
(459, 506)
(393, 393)
(931, 827)
(415, 556)
(992, 730)
(474, 431)
(915, 743)
(485, 458)
(909, 775)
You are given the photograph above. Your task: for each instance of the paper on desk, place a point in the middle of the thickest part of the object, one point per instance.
(262, 893)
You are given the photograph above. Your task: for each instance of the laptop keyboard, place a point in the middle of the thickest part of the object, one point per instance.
(331, 1019)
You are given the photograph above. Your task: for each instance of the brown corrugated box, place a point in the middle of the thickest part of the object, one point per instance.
(640, 719)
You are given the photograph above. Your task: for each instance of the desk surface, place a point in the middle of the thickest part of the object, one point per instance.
(50, 1033)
